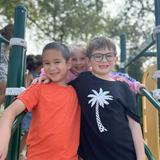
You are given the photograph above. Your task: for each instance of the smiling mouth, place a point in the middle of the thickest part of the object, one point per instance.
(53, 74)
(103, 66)
(79, 68)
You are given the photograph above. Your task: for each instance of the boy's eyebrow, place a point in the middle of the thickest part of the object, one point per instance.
(103, 53)
(51, 60)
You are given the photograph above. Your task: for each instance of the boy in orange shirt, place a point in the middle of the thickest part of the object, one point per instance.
(55, 126)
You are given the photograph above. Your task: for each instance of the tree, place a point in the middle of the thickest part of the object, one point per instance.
(61, 20)
(137, 21)
(70, 20)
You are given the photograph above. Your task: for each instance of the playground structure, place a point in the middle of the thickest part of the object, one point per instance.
(150, 115)
(150, 106)
(16, 70)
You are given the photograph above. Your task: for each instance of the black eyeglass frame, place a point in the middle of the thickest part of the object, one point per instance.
(98, 57)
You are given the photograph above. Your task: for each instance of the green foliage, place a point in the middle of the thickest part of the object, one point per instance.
(70, 19)
(7, 9)
(60, 20)
(135, 69)
(137, 21)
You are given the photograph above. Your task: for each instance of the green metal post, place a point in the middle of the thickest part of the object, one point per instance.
(157, 21)
(123, 52)
(16, 72)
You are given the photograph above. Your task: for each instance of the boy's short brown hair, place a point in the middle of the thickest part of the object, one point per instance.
(100, 43)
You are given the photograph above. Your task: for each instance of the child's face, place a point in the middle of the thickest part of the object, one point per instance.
(102, 62)
(79, 61)
(55, 66)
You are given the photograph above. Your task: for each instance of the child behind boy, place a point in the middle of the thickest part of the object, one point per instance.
(79, 61)
(110, 128)
(55, 126)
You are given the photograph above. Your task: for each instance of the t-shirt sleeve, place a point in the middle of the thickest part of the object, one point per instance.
(30, 96)
(130, 104)
(123, 75)
(74, 82)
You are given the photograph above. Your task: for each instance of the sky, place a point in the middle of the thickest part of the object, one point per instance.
(114, 6)
(33, 47)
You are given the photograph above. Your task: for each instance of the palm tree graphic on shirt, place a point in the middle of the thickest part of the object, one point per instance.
(99, 99)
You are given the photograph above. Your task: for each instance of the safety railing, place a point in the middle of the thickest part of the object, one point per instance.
(156, 104)
(149, 96)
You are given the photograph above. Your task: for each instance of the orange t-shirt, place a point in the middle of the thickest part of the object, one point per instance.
(55, 127)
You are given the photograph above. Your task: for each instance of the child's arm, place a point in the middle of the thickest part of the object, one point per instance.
(134, 85)
(42, 79)
(6, 121)
(137, 138)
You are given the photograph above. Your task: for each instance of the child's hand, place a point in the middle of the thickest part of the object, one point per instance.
(138, 88)
(35, 81)
(134, 86)
(117, 78)
(44, 80)
(39, 80)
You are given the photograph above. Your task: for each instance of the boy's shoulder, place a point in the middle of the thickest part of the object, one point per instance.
(82, 76)
(85, 76)
(37, 87)
(123, 85)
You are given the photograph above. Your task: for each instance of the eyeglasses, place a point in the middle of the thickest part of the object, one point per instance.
(98, 57)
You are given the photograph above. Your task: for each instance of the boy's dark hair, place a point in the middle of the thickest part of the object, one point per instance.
(60, 47)
(30, 62)
(38, 60)
(7, 31)
(33, 62)
(100, 43)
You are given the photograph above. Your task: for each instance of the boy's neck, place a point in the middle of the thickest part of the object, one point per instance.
(59, 83)
(106, 77)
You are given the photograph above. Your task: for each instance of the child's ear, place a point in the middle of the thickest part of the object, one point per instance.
(87, 60)
(69, 64)
(89, 63)
(116, 60)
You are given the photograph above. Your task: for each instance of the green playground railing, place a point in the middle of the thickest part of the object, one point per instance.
(156, 104)
(148, 153)
(13, 151)
(17, 122)
(149, 96)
